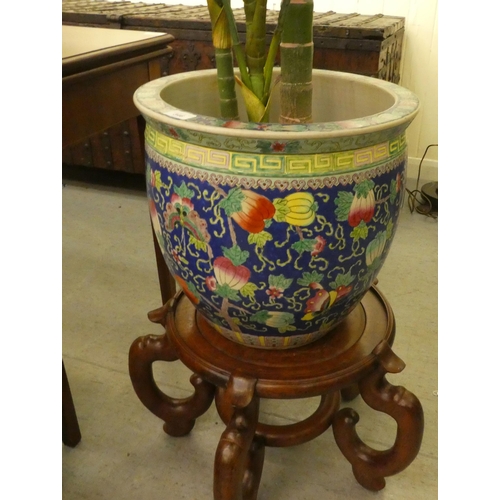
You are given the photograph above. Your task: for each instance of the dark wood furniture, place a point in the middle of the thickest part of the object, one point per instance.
(367, 45)
(71, 435)
(352, 360)
(101, 69)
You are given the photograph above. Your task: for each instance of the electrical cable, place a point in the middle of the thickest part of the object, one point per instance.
(424, 205)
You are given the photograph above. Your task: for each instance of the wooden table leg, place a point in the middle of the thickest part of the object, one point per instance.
(71, 435)
(370, 466)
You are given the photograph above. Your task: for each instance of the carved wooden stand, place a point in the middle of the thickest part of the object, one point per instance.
(353, 360)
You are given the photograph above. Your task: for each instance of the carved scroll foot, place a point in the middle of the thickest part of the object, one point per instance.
(370, 467)
(239, 457)
(179, 415)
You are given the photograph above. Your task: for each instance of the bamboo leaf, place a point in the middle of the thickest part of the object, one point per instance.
(273, 48)
(237, 48)
(255, 109)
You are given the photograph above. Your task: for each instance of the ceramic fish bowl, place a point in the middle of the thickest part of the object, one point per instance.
(276, 232)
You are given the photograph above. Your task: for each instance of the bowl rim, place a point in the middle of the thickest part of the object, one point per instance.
(149, 101)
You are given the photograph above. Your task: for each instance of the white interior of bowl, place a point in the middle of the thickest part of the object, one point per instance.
(344, 104)
(333, 99)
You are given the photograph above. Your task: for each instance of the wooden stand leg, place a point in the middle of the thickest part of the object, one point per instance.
(179, 415)
(350, 393)
(239, 457)
(370, 466)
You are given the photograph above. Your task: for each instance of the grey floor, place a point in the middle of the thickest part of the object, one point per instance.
(109, 285)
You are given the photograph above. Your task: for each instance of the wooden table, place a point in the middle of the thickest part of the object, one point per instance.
(353, 359)
(101, 70)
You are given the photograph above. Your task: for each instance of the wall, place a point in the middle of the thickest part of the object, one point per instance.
(419, 64)
(419, 72)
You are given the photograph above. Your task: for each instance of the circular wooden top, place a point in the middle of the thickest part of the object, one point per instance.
(335, 361)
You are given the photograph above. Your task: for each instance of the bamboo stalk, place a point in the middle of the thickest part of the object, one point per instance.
(296, 50)
(256, 47)
(222, 42)
(273, 49)
(237, 48)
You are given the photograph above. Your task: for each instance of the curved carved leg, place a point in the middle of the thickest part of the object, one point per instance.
(179, 415)
(290, 434)
(159, 316)
(239, 457)
(370, 466)
(350, 393)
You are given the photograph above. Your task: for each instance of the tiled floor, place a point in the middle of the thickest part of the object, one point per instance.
(110, 283)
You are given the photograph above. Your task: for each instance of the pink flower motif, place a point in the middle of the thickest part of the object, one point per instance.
(211, 283)
(186, 202)
(398, 182)
(275, 292)
(319, 245)
(278, 147)
(152, 178)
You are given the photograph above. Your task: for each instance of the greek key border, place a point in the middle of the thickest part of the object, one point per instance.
(281, 184)
(272, 165)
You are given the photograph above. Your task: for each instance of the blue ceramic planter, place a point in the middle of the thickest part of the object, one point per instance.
(275, 232)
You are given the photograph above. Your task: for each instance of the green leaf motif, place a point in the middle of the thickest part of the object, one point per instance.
(305, 245)
(363, 188)
(389, 229)
(260, 317)
(192, 288)
(198, 244)
(282, 209)
(360, 231)
(157, 176)
(308, 278)
(343, 202)
(287, 328)
(248, 290)
(342, 280)
(394, 192)
(226, 292)
(232, 203)
(280, 281)
(259, 239)
(236, 255)
(183, 191)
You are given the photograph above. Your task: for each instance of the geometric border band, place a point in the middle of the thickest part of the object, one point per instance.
(283, 184)
(273, 165)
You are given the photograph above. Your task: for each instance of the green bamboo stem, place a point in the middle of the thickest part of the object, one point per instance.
(237, 48)
(226, 84)
(296, 50)
(223, 61)
(256, 46)
(273, 49)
